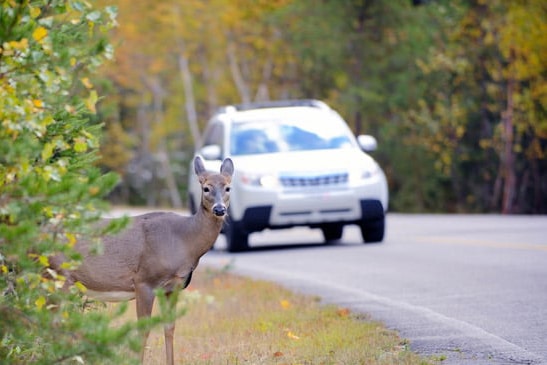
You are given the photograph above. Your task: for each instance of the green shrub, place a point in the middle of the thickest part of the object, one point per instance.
(50, 189)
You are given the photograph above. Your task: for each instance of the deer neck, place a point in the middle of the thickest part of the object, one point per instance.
(209, 227)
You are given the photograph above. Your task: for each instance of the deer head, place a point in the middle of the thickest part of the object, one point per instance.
(215, 188)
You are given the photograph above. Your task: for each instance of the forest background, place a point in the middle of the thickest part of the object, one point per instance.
(455, 91)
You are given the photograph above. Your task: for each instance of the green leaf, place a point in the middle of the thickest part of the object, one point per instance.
(40, 302)
(80, 144)
(47, 151)
(91, 101)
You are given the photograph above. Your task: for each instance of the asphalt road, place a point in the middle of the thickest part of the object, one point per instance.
(468, 289)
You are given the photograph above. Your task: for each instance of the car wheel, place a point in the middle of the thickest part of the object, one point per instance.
(237, 239)
(332, 231)
(373, 230)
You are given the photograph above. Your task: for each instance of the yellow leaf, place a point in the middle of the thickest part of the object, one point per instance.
(39, 34)
(81, 287)
(52, 273)
(21, 45)
(80, 145)
(44, 260)
(47, 151)
(292, 335)
(91, 101)
(35, 12)
(86, 83)
(285, 304)
(71, 239)
(40, 302)
(60, 282)
(4, 269)
(67, 265)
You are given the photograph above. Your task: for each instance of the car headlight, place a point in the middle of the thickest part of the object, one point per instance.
(365, 173)
(262, 180)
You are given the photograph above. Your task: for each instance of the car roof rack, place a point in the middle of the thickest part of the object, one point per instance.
(274, 104)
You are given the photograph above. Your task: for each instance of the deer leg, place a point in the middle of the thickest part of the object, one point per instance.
(169, 331)
(144, 296)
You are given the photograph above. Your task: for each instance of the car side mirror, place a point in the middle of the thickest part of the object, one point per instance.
(211, 152)
(367, 143)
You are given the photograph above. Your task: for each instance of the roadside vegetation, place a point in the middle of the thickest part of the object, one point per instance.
(235, 320)
(51, 188)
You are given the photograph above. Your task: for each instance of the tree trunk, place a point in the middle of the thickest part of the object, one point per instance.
(144, 175)
(241, 85)
(186, 75)
(210, 77)
(262, 92)
(190, 103)
(496, 191)
(170, 180)
(162, 154)
(508, 153)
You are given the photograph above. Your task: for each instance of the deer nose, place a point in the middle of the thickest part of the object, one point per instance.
(219, 210)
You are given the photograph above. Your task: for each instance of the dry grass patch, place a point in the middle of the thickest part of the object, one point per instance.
(235, 320)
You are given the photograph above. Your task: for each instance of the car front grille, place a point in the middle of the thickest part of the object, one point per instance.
(332, 179)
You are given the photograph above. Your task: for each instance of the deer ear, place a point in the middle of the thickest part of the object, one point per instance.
(227, 167)
(199, 168)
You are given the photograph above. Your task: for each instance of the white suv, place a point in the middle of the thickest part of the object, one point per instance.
(297, 163)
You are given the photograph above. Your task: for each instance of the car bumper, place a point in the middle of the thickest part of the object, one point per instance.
(327, 206)
(260, 209)
(259, 218)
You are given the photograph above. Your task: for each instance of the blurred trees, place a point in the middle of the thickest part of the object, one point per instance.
(483, 117)
(454, 90)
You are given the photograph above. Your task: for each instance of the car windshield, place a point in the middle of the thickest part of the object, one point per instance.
(257, 137)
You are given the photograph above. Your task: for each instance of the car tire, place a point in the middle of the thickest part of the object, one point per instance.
(237, 239)
(373, 230)
(332, 231)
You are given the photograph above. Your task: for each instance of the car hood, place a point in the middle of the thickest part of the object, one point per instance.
(306, 162)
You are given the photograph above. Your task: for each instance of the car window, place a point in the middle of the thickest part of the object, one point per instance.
(258, 137)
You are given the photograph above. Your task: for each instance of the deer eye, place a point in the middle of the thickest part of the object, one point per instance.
(227, 189)
(206, 189)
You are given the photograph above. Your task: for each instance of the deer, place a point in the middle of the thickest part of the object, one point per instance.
(158, 250)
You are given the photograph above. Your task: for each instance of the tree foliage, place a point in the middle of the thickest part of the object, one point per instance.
(50, 188)
(483, 118)
(455, 87)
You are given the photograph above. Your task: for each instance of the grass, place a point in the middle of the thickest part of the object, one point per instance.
(233, 320)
